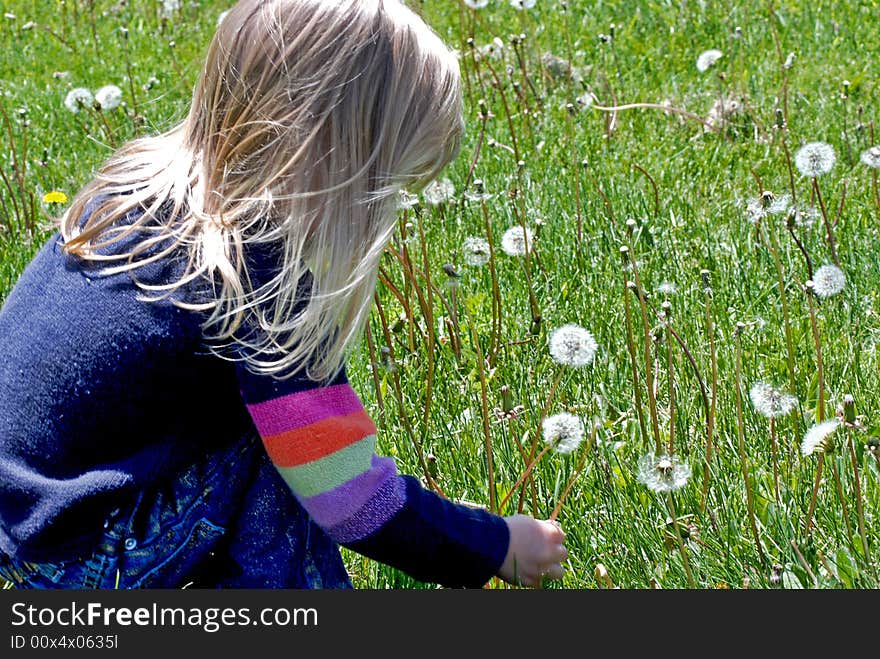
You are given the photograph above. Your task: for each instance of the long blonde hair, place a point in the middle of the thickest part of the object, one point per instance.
(307, 120)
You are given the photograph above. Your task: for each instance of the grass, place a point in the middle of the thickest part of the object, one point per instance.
(653, 179)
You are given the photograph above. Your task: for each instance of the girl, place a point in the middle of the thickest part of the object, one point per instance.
(174, 408)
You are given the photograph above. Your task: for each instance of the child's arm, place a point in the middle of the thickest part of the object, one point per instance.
(322, 441)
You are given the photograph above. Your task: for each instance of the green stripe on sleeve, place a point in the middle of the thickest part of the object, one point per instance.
(331, 471)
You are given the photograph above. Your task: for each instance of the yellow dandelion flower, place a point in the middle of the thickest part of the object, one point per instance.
(55, 197)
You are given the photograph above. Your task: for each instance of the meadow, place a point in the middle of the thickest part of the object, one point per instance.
(642, 300)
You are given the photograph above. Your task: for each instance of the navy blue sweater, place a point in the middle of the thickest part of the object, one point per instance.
(102, 393)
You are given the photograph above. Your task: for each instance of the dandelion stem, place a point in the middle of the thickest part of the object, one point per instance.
(681, 548)
(631, 346)
(820, 376)
(829, 231)
(786, 319)
(582, 459)
(494, 344)
(858, 492)
(843, 507)
(775, 459)
(649, 374)
(484, 402)
(813, 496)
(522, 477)
(710, 419)
(653, 185)
(743, 458)
(665, 108)
(803, 562)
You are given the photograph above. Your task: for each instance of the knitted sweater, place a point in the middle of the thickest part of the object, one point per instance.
(102, 393)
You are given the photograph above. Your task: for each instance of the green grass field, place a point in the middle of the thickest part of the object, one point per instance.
(668, 217)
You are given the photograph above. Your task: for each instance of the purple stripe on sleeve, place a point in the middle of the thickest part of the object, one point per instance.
(378, 510)
(303, 408)
(333, 507)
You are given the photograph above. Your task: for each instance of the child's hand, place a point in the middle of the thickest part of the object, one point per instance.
(536, 551)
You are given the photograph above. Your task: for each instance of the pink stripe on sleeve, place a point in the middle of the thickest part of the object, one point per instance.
(304, 408)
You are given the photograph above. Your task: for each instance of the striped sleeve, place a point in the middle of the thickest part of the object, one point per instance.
(323, 443)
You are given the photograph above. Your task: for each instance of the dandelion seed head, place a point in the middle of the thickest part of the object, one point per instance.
(828, 280)
(439, 192)
(871, 157)
(108, 97)
(663, 473)
(818, 438)
(168, 8)
(406, 200)
(517, 240)
(522, 4)
(815, 158)
(707, 59)
(572, 345)
(78, 97)
(770, 401)
(476, 251)
(805, 216)
(667, 288)
(476, 4)
(564, 432)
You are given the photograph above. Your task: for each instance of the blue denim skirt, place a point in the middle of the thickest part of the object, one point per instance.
(228, 521)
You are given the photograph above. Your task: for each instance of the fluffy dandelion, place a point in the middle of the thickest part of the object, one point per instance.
(517, 240)
(815, 158)
(522, 4)
(406, 200)
(476, 251)
(759, 207)
(871, 157)
(663, 473)
(168, 8)
(439, 192)
(667, 288)
(818, 438)
(563, 432)
(770, 401)
(108, 97)
(828, 280)
(707, 59)
(476, 4)
(572, 345)
(78, 97)
(805, 216)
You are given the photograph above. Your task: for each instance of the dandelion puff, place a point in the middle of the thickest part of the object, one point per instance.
(564, 432)
(439, 191)
(707, 59)
(663, 473)
(476, 251)
(108, 97)
(818, 437)
(770, 401)
(168, 8)
(476, 4)
(78, 97)
(522, 4)
(406, 200)
(572, 345)
(667, 288)
(815, 158)
(805, 216)
(517, 240)
(871, 157)
(828, 280)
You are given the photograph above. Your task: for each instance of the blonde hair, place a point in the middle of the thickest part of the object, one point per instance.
(307, 120)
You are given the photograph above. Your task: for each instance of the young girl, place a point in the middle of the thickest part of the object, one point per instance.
(174, 408)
